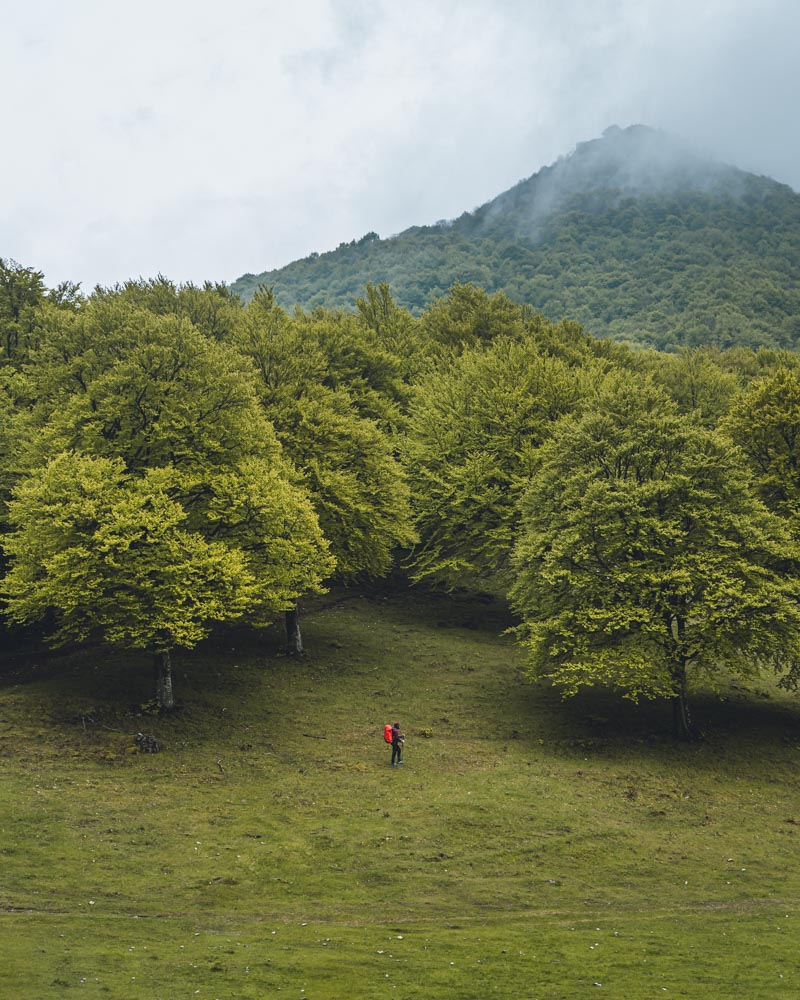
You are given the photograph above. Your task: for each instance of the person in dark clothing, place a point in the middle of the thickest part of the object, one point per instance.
(398, 739)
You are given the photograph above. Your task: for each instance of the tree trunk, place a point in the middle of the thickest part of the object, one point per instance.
(163, 671)
(294, 640)
(681, 722)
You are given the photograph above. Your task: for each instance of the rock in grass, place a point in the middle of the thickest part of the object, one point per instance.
(146, 744)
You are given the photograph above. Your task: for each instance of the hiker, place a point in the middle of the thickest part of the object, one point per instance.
(398, 739)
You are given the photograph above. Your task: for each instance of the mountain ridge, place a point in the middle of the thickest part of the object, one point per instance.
(632, 234)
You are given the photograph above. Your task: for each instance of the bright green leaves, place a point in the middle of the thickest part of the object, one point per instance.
(168, 397)
(765, 423)
(321, 379)
(470, 450)
(256, 510)
(21, 290)
(201, 518)
(110, 554)
(643, 552)
(468, 317)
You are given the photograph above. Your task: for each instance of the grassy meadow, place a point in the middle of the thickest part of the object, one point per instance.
(527, 848)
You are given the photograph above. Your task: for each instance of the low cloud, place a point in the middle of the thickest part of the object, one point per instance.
(220, 144)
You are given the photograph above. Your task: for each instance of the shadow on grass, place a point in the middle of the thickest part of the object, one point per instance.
(733, 732)
(478, 672)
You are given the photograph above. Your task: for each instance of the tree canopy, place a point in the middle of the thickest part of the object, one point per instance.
(171, 458)
(644, 557)
(686, 254)
(474, 428)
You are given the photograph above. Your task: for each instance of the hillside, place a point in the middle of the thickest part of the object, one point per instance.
(633, 235)
(528, 847)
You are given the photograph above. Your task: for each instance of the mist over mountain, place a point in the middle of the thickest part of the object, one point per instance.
(633, 234)
(633, 162)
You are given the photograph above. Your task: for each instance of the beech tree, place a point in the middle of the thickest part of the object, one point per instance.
(468, 316)
(21, 289)
(698, 384)
(644, 558)
(305, 373)
(174, 402)
(212, 308)
(396, 329)
(358, 363)
(765, 423)
(474, 428)
(108, 554)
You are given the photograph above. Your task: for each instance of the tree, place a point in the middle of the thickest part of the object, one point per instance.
(645, 559)
(109, 555)
(358, 363)
(765, 423)
(468, 316)
(310, 390)
(474, 427)
(21, 289)
(164, 398)
(698, 384)
(212, 309)
(398, 332)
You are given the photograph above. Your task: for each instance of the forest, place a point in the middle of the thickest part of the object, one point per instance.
(173, 460)
(631, 235)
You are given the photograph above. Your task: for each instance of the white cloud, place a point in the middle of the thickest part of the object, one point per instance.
(204, 141)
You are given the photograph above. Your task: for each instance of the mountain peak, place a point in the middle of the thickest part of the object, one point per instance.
(634, 234)
(624, 162)
(643, 160)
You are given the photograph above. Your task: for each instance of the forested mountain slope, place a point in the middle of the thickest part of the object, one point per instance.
(633, 235)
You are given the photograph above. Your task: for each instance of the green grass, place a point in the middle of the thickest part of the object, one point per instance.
(528, 848)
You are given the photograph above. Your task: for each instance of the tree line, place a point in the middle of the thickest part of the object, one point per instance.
(172, 458)
(663, 270)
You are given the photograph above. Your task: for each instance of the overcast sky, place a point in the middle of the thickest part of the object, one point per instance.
(204, 140)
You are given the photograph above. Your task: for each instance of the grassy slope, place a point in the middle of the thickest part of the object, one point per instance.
(526, 849)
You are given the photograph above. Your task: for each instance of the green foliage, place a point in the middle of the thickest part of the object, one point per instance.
(703, 255)
(644, 554)
(397, 330)
(321, 379)
(474, 429)
(358, 487)
(108, 553)
(698, 384)
(150, 391)
(469, 317)
(167, 395)
(765, 423)
(356, 363)
(212, 309)
(256, 507)
(21, 289)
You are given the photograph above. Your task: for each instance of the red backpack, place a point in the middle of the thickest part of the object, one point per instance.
(387, 733)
